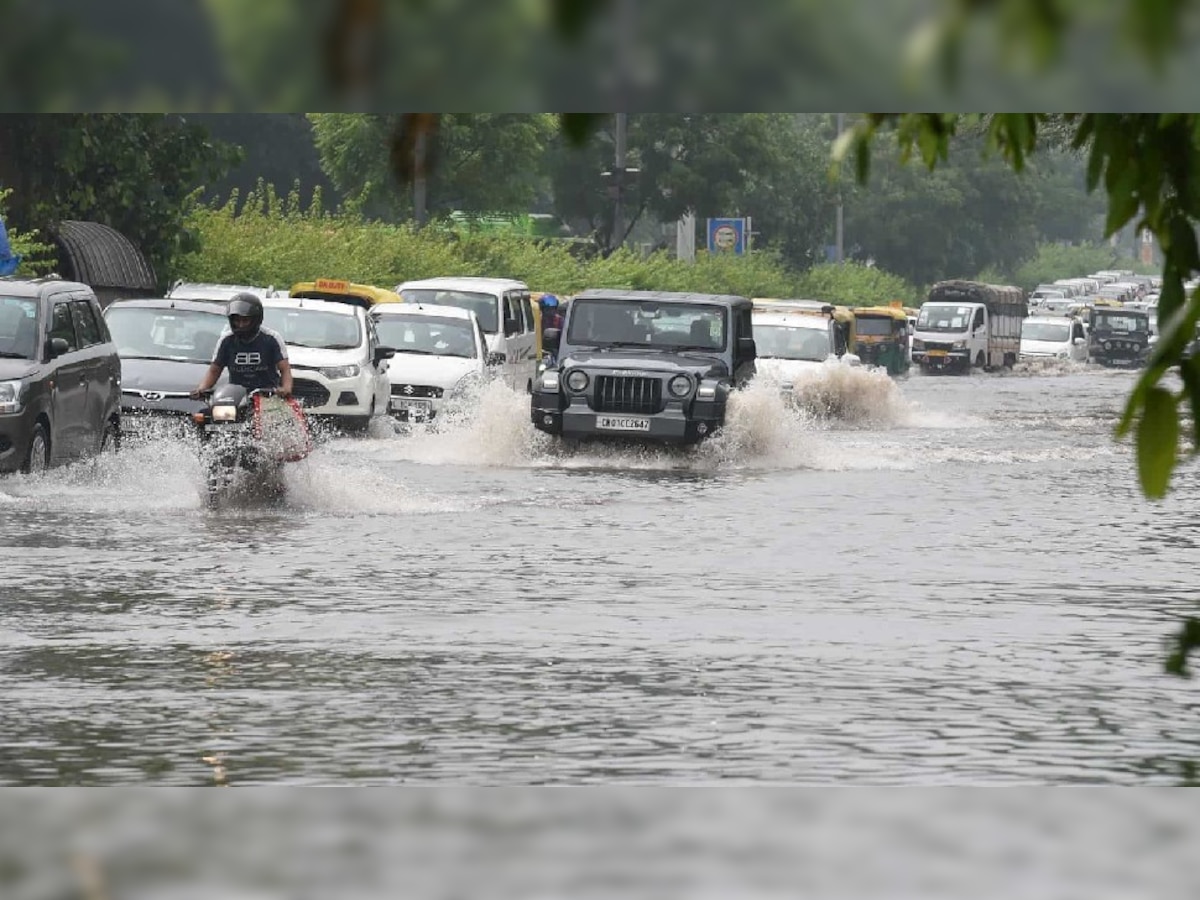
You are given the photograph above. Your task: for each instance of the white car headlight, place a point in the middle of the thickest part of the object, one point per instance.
(224, 413)
(10, 397)
(959, 345)
(577, 381)
(550, 380)
(335, 372)
(680, 386)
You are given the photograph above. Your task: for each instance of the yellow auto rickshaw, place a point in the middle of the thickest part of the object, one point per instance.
(337, 291)
(882, 337)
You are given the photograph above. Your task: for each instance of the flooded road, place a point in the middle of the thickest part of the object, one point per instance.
(963, 586)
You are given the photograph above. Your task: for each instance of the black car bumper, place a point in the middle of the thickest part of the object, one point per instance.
(674, 425)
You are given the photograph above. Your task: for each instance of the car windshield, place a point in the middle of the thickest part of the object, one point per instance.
(18, 328)
(937, 317)
(485, 306)
(430, 335)
(1115, 321)
(791, 342)
(874, 325)
(647, 323)
(1046, 331)
(143, 332)
(316, 328)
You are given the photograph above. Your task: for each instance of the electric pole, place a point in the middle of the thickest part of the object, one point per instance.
(840, 251)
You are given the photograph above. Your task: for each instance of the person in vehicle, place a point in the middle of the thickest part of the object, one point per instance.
(255, 356)
(552, 316)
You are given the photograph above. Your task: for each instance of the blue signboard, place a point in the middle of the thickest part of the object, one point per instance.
(727, 236)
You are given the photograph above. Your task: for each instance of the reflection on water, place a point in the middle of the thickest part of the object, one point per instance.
(969, 591)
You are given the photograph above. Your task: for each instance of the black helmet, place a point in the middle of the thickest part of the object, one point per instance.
(248, 305)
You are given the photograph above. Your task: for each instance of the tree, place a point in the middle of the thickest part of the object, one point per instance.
(484, 163)
(134, 172)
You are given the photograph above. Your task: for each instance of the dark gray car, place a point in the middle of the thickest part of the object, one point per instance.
(60, 377)
(644, 365)
(166, 346)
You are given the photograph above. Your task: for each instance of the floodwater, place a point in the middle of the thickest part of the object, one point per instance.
(958, 583)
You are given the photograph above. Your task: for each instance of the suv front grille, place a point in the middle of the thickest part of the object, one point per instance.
(625, 394)
(309, 393)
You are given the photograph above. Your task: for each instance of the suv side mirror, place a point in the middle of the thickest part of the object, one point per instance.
(746, 348)
(56, 347)
(551, 338)
(382, 353)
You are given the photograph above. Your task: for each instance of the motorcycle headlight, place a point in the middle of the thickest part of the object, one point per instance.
(550, 380)
(335, 372)
(577, 381)
(680, 386)
(224, 413)
(10, 397)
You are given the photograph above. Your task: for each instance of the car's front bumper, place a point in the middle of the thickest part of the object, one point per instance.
(676, 424)
(16, 430)
(349, 398)
(934, 359)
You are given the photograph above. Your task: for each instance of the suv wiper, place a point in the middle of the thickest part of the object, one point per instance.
(416, 351)
(8, 354)
(705, 349)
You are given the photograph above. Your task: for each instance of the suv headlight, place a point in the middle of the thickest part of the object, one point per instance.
(335, 372)
(706, 392)
(577, 381)
(680, 386)
(550, 380)
(10, 397)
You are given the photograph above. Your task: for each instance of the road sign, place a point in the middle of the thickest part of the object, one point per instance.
(727, 236)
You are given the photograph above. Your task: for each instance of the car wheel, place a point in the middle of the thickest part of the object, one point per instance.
(981, 362)
(37, 458)
(361, 424)
(110, 438)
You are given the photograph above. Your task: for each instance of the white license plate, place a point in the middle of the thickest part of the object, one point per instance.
(422, 407)
(623, 423)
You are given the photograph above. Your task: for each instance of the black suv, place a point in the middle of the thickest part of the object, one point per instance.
(644, 365)
(166, 347)
(60, 377)
(1118, 336)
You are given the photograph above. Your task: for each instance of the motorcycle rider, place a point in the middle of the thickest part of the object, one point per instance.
(255, 355)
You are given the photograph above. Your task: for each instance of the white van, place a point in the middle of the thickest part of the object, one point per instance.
(505, 312)
(1053, 337)
(339, 367)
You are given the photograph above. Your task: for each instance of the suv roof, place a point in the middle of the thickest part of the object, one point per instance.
(731, 300)
(32, 287)
(464, 282)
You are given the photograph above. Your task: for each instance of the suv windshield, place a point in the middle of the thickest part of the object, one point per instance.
(791, 342)
(485, 306)
(1046, 331)
(315, 328)
(18, 328)
(647, 323)
(934, 317)
(142, 332)
(429, 335)
(1121, 321)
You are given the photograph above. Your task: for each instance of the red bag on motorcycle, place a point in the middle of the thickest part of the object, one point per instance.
(282, 429)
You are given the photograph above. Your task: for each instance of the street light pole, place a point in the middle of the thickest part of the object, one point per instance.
(619, 178)
(841, 124)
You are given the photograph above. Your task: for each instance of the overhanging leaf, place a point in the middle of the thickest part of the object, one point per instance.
(1157, 442)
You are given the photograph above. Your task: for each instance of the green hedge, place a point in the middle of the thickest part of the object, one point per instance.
(37, 257)
(273, 241)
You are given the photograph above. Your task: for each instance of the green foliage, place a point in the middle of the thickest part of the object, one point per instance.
(37, 257)
(479, 162)
(275, 241)
(136, 173)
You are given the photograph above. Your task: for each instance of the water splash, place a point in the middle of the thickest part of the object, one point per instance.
(1056, 368)
(852, 395)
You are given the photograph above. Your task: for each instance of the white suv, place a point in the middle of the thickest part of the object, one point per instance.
(339, 369)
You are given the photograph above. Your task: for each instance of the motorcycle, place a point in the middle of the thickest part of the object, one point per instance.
(242, 457)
